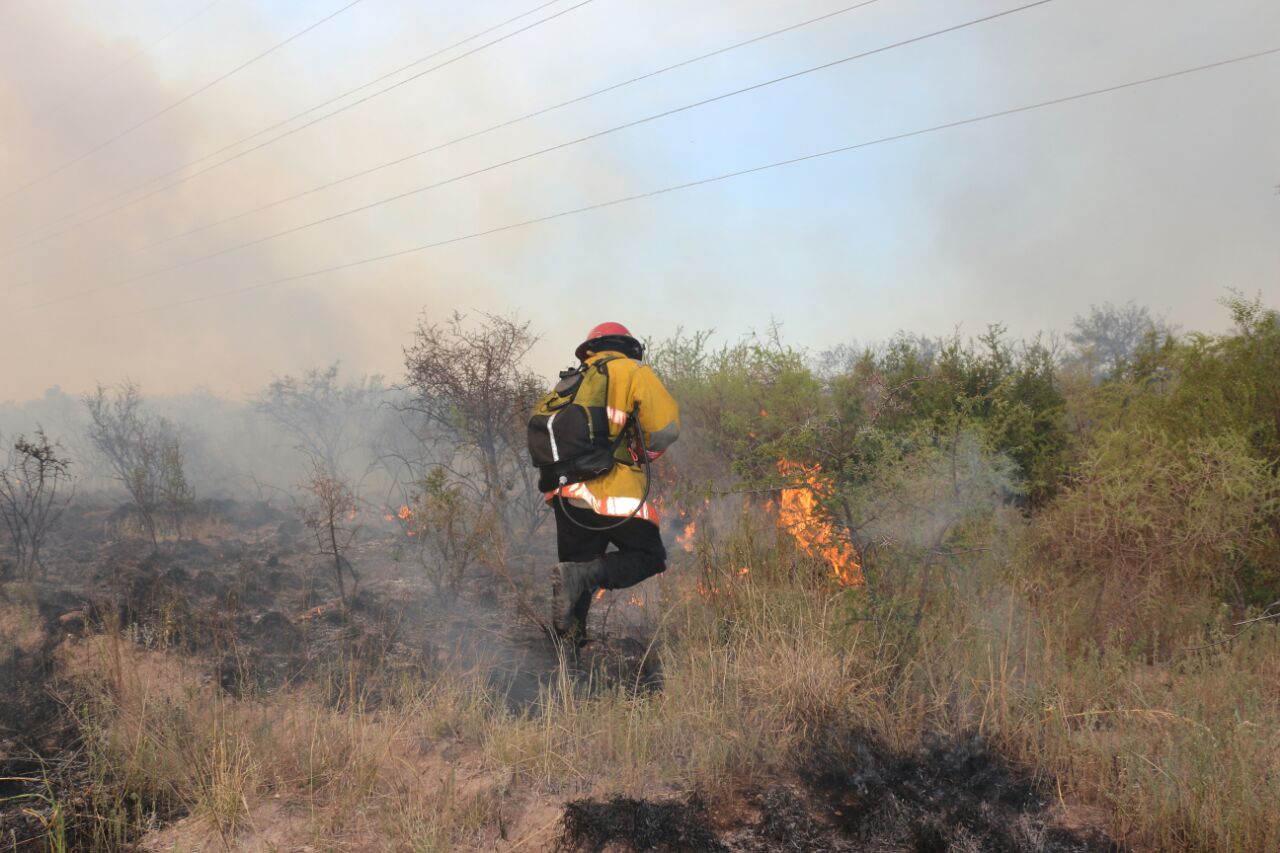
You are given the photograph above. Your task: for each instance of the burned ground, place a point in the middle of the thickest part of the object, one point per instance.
(852, 795)
(674, 825)
(956, 794)
(249, 606)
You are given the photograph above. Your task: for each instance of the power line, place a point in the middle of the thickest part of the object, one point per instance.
(183, 179)
(937, 128)
(557, 147)
(478, 133)
(179, 102)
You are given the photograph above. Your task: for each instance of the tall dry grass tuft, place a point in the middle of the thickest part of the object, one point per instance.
(751, 673)
(285, 770)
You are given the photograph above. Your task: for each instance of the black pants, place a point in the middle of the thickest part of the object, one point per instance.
(639, 555)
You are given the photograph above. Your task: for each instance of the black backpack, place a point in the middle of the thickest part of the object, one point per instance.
(569, 431)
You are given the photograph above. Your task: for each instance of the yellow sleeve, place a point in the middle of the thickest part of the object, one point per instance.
(659, 413)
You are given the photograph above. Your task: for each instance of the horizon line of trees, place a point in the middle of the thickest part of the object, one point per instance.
(1124, 432)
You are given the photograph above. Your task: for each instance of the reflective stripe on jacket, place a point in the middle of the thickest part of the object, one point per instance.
(618, 493)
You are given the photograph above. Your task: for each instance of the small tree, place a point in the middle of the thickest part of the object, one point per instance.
(452, 531)
(34, 491)
(331, 514)
(325, 417)
(469, 386)
(1109, 337)
(145, 453)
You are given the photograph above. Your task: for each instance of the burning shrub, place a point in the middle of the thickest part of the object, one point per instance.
(801, 514)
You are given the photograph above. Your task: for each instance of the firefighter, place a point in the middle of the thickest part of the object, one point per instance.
(612, 509)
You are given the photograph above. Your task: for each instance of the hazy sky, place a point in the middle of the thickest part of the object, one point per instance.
(1166, 194)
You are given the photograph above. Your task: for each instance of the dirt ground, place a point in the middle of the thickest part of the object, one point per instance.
(247, 601)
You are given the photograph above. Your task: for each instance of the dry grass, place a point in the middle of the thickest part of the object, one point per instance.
(1184, 755)
(21, 633)
(283, 771)
(738, 696)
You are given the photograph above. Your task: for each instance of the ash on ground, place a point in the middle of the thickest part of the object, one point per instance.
(851, 794)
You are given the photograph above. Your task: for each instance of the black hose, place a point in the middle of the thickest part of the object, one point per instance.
(648, 481)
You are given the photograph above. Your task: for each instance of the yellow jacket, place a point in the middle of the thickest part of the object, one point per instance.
(618, 493)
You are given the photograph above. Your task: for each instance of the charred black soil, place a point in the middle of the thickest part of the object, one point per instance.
(852, 794)
(675, 825)
(956, 794)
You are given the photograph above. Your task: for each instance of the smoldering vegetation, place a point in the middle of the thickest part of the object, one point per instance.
(927, 595)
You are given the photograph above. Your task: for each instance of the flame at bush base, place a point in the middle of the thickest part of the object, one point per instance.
(801, 514)
(685, 540)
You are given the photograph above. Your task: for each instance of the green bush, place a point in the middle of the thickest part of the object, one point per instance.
(1151, 530)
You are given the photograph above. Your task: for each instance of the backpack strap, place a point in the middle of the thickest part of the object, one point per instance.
(601, 366)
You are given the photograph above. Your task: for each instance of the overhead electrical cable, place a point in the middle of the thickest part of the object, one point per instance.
(135, 187)
(179, 102)
(937, 128)
(505, 124)
(539, 152)
(475, 134)
(184, 178)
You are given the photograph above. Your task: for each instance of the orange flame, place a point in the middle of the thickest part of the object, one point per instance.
(599, 594)
(685, 540)
(313, 613)
(405, 513)
(802, 515)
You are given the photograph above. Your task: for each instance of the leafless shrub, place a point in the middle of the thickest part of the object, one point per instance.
(472, 394)
(326, 418)
(330, 514)
(146, 454)
(35, 486)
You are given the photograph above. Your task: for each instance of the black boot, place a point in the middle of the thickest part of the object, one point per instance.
(569, 582)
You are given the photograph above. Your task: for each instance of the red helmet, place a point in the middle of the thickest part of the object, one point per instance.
(614, 334)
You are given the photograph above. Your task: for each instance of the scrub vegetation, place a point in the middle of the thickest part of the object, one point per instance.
(933, 594)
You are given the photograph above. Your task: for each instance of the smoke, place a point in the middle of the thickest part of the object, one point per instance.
(1163, 195)
(69, 297)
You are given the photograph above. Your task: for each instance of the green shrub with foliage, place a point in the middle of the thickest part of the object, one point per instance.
(1160, 473)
